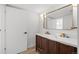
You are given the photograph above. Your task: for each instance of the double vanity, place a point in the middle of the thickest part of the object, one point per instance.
(58, 21)
(50, 44)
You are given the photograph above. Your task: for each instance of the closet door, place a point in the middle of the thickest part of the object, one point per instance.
(2, 29)
(16, 30)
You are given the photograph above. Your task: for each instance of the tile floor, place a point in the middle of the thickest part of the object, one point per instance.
(29, 51)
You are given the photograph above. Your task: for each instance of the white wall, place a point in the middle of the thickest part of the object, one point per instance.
(32, 27)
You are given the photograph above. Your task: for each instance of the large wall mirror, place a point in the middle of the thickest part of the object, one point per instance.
(60, 18)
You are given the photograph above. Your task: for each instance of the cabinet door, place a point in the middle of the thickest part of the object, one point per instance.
(38, 42)
(53, 47)
(41, 44)
(2, 27)
(66, 49)
(44, 45)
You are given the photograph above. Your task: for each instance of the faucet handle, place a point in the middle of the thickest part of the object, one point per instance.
(47, 32)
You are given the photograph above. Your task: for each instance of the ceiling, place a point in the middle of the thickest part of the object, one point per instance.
(38, 8)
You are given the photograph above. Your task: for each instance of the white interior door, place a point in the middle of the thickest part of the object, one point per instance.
(0, 30)
(16, 25)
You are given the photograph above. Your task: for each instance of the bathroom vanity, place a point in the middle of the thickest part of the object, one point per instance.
(58, 21)
(47, 44)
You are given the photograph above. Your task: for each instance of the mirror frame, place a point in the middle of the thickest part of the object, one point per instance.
(45, 18)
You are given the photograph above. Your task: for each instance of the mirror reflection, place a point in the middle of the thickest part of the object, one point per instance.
(60, 18)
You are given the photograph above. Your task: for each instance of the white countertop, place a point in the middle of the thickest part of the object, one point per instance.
(67, 41)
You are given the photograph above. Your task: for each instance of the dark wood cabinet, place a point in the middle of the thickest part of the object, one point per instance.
(41, 45)
(53, 47)
(38, 42)
(66, 49)
(47, 46)
(44, 45)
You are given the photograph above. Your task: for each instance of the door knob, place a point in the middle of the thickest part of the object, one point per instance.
(25, 32)
(0, 29)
